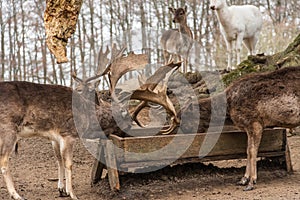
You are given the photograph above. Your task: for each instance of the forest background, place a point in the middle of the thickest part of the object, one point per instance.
(136, 24)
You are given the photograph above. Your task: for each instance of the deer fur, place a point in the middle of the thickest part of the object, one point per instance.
(29, 109)
(238, 24)
(177, 42)
(255, 102)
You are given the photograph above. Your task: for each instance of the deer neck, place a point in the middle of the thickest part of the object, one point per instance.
(223, 14)
(184, 29)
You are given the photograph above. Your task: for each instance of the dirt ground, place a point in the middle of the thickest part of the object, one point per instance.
(35, 171)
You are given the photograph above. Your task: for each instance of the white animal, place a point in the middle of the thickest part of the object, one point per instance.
(238, 24)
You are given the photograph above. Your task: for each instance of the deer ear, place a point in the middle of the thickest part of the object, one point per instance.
(172, 10)
(185, 8)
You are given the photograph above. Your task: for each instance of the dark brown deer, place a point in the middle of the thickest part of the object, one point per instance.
(177, 42)
(61, 115)
(255, 102)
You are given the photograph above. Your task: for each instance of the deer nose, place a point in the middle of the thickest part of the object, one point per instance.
(213, 7)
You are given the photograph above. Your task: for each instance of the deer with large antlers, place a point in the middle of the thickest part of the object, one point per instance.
(254, 102)
(177, 42)
(61, 115)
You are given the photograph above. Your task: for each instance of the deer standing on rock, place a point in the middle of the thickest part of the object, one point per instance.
(238, 24)
(255, 102)
(177, 42)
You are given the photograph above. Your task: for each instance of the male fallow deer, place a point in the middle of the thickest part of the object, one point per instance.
(177, 42)
(61, 115)
(254, 102)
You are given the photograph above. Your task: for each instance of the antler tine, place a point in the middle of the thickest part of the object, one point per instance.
(95, 77)
(137, 110)
(103, 60)
(158, 98)
(123, 64)
(74, 76)
(102, 57)
(151, 84)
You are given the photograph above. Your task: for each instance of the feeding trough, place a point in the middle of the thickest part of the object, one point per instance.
(146, 152)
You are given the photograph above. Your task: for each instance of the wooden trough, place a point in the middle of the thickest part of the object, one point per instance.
(147, 153)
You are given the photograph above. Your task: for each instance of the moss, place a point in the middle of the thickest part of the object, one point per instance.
(244, 68)
(292, 46)
(261, 63)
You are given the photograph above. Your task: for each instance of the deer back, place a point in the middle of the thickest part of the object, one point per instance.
(273, 99)
(36, 108)
(39, 110)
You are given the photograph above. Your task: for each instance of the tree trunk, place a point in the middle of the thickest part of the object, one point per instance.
(60, 22)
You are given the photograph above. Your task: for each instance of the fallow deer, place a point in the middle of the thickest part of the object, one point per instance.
(257, 101)
(61, 115)
(238, 24)
(177, 42)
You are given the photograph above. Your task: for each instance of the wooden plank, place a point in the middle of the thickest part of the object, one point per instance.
(234, 142)
(99, 165)
(137, 167)
(140, 132)
(111, 164)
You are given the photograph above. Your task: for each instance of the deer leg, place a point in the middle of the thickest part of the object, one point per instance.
(167, 56)
(248, 44)
(7, 178)
(61, 169)
(246, 178)
(229, 53)
(171, 58)
(254, 138)
(185, 65)
(6, 147)
(238, 48)
(253, 42)
(67, 155)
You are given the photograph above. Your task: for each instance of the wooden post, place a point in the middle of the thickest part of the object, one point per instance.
(287, 153)
(111, 163)
(99, 164)
(288, 160)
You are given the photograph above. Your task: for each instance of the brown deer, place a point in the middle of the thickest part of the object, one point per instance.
(254, 102)
(177, 42)
(61, 115)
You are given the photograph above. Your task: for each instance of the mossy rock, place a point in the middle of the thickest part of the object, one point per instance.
(261, 63)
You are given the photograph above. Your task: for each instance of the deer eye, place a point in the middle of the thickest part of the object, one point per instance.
(124, 113)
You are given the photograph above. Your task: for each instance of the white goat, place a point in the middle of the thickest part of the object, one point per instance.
(238, 24)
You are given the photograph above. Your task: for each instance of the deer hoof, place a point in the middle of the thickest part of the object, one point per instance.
(63, 193)
(17, 197)
(249, 188)
(244, 181)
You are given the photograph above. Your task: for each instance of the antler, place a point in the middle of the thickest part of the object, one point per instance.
(122, 65)
(151, 91)
(103, 63)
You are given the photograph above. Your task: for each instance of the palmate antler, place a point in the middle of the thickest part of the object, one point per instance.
(103, 63)
(122, 65)
(151, 91)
